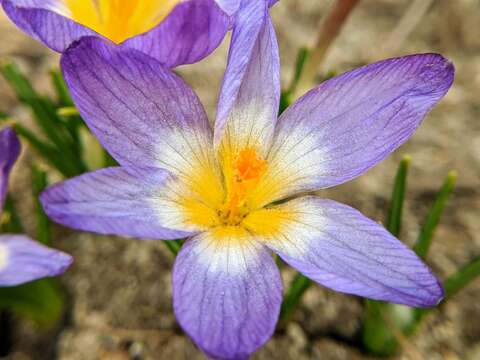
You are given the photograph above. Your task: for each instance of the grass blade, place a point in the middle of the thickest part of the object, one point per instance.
(50, 153)
(299, 285)
(462, 278)
(41, 301)
(285, 101)
(454, 284)
(108, 160)
(302, 56)
(174, 245)
(45, 115)
(426, 234)
(286, 95)
(376, 335)
(9, 219)
(394, 217)
(39, 183)
(61, 89)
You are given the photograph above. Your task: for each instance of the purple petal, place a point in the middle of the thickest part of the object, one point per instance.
(249, 98)
(232, 6)
(350, 123)
(340, 248)
(41, 20)
(227, 293)
(229, 6)
(191, 32)
(116, 201)
(23, 260)
(9, 151)
(142, 113)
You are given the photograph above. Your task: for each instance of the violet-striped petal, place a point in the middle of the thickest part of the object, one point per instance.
(227, 293)
(117, 201)
(43, 20)
(9, 151)
(249, 97)
(188, 34)
(340, 248)
(191, 32)
(142, 113)
(231, 6)
(23, 260)
(350, 123)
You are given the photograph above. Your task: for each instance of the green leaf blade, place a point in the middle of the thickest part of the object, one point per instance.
(462, 277)
(302, 56)
(395, 212)
(45, 115)
(9, 219)
(42, 301)
(174, 245)
(433, 218)
(39, 183)
(58, 82)
(299, 286)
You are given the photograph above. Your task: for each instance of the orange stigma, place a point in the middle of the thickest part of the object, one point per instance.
(248, 169)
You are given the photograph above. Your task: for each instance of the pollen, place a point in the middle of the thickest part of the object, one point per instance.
(247, 171)
(119, 20)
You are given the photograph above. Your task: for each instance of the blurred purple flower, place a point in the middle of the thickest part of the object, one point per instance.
(221, 188)
(22, 259)
(175, 32)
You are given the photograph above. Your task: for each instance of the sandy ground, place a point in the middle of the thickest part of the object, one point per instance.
(119, 290)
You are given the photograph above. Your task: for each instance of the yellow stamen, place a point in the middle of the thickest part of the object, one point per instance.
(247, 170)
(119, 20)
(233, 211)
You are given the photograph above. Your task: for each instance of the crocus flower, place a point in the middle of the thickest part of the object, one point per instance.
(240, 191)
(173, 31)
(22, 259)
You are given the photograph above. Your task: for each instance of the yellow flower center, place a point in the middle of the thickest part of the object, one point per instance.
(247, 170)
(119, 20)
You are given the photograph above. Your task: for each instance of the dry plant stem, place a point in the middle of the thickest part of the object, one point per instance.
(328, 32)
(405, 26)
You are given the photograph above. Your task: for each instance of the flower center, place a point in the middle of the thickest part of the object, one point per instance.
(119, 20)
(247, 170)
